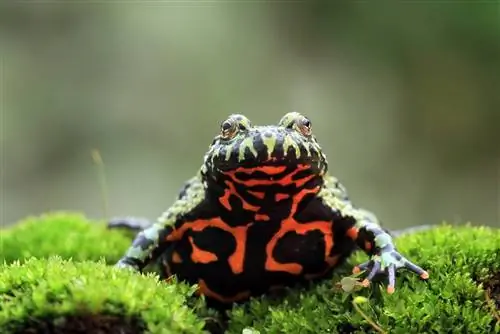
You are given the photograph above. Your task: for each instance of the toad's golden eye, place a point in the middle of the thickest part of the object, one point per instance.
(304, 126)
(228, 129)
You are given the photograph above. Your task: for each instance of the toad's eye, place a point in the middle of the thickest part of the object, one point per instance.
(226, 125)
(228, 129)
(296, 121)
(304, 126)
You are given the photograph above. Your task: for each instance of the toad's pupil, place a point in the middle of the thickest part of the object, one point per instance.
(226, 126)
(306, 123)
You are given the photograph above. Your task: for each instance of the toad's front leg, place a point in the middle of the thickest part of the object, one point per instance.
(369, 236)
(384, 257)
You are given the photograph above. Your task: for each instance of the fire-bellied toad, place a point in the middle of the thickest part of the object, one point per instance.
(261, 212)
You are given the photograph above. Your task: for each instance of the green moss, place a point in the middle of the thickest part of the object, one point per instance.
(457, 258)
(69, 235)
(55, 293)
(453, 300)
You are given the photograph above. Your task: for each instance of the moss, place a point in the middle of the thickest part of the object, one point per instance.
(60, 296)
(463, 262)
(69, 235)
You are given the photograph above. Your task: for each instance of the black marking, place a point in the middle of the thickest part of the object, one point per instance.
(248, 155)
(291, 153)
(314, 154)
(302, 174)
(307, 250)
(259, 146)
(234, 154)
(303, 150)
(216, 241)
(279, 153)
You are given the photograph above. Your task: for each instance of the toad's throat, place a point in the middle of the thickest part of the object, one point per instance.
(262, 188)
(268, 175)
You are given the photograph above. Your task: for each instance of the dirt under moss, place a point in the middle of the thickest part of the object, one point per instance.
(492, 288)
(62, 296)
(81, 324)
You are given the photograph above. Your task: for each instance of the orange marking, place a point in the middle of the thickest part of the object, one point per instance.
(176, 258)
(279, 197)
(291, 225)
(270, 170)
(356, 270)
(352, 233)
(260, 216)
(236, 260)
(203, 289)
(199, 255)
(425, 275)
(231, 190)
(368, 245)
(390, 290)
(300, 182)
(239, 233)
(224, 200)
(258, 194)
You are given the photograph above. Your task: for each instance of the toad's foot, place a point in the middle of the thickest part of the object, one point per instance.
(387, 262)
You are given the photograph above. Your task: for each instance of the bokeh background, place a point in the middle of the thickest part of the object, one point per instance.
(403, 96)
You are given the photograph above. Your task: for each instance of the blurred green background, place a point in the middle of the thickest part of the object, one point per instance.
(403, 96)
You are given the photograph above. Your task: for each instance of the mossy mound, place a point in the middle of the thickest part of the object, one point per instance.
(68, 235)
(463, 263)
(60, 296)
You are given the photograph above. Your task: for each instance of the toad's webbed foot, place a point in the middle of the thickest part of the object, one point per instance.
(384, 257)
(388, 262)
